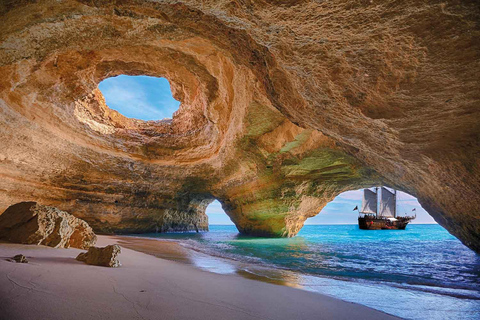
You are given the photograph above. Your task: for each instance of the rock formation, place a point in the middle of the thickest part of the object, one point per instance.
(32, 223)
(105, 257)
(284, 106)
(19, 258)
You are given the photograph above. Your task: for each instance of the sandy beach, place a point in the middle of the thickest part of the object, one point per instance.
(53, 285)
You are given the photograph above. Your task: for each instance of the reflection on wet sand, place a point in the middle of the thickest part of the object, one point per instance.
(169, 250)
(172, 250)
(337, 261)
(271, 276)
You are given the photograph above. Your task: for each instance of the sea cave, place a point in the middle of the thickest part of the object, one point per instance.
(277, 108)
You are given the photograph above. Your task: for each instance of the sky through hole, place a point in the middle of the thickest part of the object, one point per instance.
(338, 211)
(139, 97)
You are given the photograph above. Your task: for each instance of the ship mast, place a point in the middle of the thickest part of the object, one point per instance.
(370, 202)
(394, 203)
(388, 203)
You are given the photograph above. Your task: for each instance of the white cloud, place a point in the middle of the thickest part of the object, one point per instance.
(340, 210)
(138, 97)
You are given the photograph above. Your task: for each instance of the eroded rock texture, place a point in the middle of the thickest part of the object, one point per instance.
(285, 104)
(104, 257)
(32, 223)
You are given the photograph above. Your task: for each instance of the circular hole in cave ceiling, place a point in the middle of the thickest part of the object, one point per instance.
(139, 97)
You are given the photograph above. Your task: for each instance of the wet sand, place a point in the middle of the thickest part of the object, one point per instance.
(172, 250)
(56, 286)
(169, 250)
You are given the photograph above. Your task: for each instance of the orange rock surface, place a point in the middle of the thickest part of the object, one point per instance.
(32, 223)
(283, 106)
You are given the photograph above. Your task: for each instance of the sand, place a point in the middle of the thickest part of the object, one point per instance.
(56, 286)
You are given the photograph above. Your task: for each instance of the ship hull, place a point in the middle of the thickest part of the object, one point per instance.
(373, 223)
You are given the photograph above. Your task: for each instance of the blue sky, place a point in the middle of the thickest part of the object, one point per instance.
(139, 97)
(150, 98)
(338, 211)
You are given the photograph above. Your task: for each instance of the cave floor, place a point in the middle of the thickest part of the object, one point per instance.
(53, 285)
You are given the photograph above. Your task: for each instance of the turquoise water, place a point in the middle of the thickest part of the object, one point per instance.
(422, 272)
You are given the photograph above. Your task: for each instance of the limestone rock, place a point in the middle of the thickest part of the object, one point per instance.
(106, 257)
(284, 105)
(32, 223)
(20, 258)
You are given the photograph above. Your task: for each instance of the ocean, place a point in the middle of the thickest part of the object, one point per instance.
(422, 272)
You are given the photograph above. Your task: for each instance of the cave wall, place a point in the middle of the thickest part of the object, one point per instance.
(284, 106)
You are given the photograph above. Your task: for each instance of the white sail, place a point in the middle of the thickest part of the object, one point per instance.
(369, 202)
(387, 203)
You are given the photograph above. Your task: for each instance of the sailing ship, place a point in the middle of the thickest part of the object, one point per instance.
(370, 218)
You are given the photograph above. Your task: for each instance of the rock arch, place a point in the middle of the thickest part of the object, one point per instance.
(284, 106)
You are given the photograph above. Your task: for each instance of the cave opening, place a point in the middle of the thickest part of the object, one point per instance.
(341, 209)
(216, 214)
(140, 97)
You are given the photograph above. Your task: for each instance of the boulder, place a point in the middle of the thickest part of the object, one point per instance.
(284, 105)
(20, 258)
(32, 223)
(106, 257)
